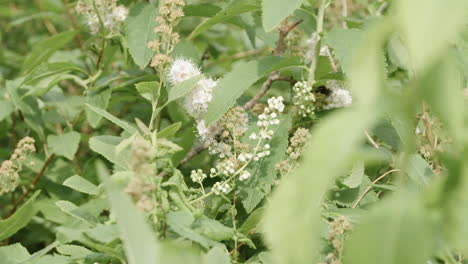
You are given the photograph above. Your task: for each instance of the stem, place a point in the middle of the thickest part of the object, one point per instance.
(344, 12)
(101, 53)
(313, 65)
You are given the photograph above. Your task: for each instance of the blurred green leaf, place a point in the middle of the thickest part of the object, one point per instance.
(44, 49)
(398, 231)
(139, 240)
(19, 219)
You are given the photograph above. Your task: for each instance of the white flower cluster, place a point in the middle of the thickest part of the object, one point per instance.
(196, 102)
(106, 12)
(245, 175)
(303, 98)
(221, 188)
(197, 176)
(225, 167)
(339, 98)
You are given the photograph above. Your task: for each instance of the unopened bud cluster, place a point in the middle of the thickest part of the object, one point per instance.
(339, 229)
(197, 176)
(170, 12)
(294, 151)
(9, 177)
(103, 13)
(139, 186)
(303, 98)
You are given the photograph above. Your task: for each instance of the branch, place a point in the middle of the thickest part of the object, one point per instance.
(33, 184)
(274, 76)
(372, 184)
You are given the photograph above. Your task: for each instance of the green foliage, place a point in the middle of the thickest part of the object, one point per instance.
(64, 145)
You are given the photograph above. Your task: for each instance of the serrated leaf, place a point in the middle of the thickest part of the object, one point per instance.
(232, 10)
(123, 124)
(42, 50)
(139, 28)
(80, 184)
(343, 42)
(139, 240)
(242, 76)
(19, 219)
(107, 147)
(264, 173)
(65, 144)
(275, 11)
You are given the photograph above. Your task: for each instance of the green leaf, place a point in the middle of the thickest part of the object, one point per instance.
(123, 124)
(170, 131)
(77, 212)
(407, 236)
(242, 76)
(264, 174)
(14, 254)
(139, 240)
(180, 222)
(64, 145)
(201, 10)
(106, 146)
(42, 50)
(419, 170)
(19, 219)
(148, 90)
(80, 184)
(275, 11)
(6, 108)
(139, 28)
(344, 42)
(232, 10)
(217, 255)
(356, 176)
(49, 69)
(252, 224)
(99, 99)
